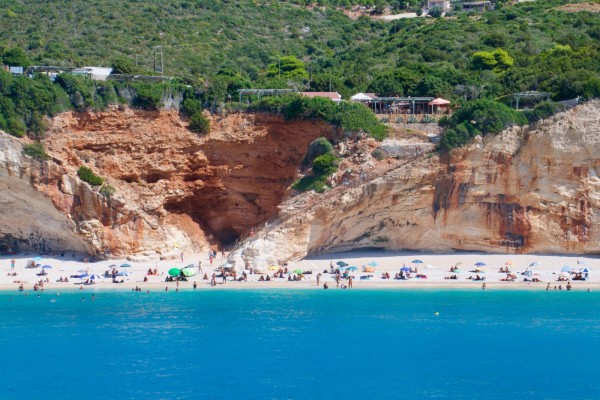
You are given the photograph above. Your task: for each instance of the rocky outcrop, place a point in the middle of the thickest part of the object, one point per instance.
(29, 220)
(175, 191)
(532, 189)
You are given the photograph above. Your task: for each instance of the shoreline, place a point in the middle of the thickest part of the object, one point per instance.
(434, 265)
(155, 287)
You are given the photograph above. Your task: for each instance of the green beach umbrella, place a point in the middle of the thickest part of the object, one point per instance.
(298, 271)
(174, 271)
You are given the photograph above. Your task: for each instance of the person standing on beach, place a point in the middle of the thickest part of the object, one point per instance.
(319, 279)
(12, 264)
(200, 266)
(350, 281)
(182, 256)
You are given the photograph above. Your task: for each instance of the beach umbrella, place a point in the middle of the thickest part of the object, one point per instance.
(174, 271)
(405, 269)
(273, 268)
(352, 268)
(508, 263)
(373, 264)
(534, 264)
(125, 265)
(47, 266)
(341, 263)
(566, 268)
(585, 270)
(94, 276)
(38, 259)
(417, 262)
(298, 271)
(123, 273)
(480, 264)
(188, 272)
(83, 276)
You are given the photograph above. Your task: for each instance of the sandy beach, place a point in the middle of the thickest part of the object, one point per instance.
(434, 266)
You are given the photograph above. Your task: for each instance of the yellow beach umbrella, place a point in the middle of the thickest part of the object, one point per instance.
(273, 268)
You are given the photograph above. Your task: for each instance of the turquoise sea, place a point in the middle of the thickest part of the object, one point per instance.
(282, 344)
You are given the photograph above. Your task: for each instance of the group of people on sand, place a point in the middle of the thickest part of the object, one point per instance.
(152, 272)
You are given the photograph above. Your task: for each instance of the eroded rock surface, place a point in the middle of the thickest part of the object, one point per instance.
(526, 190)
(175, 191)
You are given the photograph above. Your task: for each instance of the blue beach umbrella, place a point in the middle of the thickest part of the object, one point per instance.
(341, 263)
(47, 266)
(373, 264)
(38, 259)
(417, 262)
(585, 270)
(480, 264)
(405, 269)
(125, 265)
(94, 276)
(352, 268)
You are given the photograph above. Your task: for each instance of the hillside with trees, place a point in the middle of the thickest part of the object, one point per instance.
(216, 47)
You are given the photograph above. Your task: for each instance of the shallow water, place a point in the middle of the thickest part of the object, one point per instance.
(272, 344)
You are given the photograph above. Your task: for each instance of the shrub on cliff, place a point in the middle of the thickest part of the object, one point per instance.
(479, 117)
(543, 110)
(317, 148)
(36, 150)
(87, 175)
(347, 115)
(323, 166)
(199, 123)
(191, 106)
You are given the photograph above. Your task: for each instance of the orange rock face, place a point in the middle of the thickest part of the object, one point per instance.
(173, 186)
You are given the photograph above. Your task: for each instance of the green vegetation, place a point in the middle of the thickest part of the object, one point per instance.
(36, 150)
(479, 117)
(217, 47)
(107, 191)
(324, 163)
(317, 148)
(351, 117)
(378, 154)
(87, 175)
(199, 123)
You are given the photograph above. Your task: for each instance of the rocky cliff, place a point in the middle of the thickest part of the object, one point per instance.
(175, 191)
(531, 189)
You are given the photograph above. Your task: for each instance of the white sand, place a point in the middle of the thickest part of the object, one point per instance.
(435, 266)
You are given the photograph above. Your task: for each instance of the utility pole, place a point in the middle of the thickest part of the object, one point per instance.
(158, 53)
(136, 60)
(330, 84)
(279, 58)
